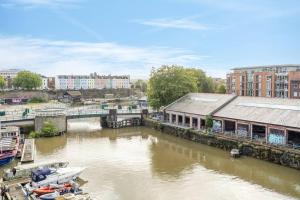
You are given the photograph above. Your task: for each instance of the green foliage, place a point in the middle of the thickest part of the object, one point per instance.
(209, 121)
(48, 129)
(221, 89)
(140, 84)
(168, 83)
(27, 80)
(2, 82)
(37, 100)
(204, 83)
(34, 134)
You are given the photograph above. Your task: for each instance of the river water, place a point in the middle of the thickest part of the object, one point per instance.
(141, 163)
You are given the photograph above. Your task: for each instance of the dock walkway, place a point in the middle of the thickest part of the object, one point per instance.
(15, 189)
(28, 151)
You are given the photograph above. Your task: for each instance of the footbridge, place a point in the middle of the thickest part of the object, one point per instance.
(60, 116)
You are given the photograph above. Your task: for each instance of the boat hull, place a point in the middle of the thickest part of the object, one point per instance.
(4, 161)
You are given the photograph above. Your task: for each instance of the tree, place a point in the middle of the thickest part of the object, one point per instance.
(222, 89)
(141, 84)
(27, 80)
(204, 83)
(2, 82)
(168, 83)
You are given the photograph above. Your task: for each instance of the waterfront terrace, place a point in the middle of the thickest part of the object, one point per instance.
(271, 121)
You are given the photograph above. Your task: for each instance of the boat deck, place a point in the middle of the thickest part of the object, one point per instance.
(28, 151)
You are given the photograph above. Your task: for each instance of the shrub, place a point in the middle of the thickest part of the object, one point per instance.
(34, 134)
(37, 100)
(48, 129)
(209, 121)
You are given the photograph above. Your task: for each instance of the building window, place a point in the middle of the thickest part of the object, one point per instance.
(295, 94)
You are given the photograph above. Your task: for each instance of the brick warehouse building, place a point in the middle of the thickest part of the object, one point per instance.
(282, 81)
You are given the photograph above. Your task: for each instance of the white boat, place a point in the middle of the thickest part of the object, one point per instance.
(44, 177)
(70, 196)
(24, 171)
(50, 196)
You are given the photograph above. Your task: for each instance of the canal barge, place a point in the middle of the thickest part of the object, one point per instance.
(9, 143)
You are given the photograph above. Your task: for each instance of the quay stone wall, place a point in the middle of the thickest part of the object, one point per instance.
(278, 155)
(54, 94)
(59, 121)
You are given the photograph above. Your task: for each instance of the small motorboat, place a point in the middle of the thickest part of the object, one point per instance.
(50, 196)
(45, 177)
(24, 171)
(52, 188)
(235, 153)
(71, 196)
(43, 190)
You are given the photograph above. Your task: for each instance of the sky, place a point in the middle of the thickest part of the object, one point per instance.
(55, 37)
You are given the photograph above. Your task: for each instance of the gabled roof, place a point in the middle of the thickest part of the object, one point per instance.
(200, 103)
(276, 111)
(74, 93)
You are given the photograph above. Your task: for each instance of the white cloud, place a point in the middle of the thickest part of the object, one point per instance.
(255, 8)
(182, 23)
(37, 3)
(69, 57)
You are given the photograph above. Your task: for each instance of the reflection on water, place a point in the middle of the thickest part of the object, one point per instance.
(174, 156)
(86, 125)
(140, 163)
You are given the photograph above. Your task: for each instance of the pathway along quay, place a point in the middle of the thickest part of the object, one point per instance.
(159, 166)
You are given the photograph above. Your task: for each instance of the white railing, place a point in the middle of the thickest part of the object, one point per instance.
(68, 112)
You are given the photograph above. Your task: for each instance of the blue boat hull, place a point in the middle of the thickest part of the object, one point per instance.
(6, 160)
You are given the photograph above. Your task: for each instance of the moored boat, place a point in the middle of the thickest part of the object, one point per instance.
(71, 196)
(24, 171)
(52, 188)
(8, 148)
(235, 153)
(50, 196)
(45, 177)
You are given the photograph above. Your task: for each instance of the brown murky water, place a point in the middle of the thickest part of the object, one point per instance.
(140, 163)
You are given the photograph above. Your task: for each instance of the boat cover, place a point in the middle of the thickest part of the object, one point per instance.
(40, 174)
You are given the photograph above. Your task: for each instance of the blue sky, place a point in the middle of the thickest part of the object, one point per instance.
(130, 37)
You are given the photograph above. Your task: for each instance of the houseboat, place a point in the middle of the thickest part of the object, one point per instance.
(9, 144)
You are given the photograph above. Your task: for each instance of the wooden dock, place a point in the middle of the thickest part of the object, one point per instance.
(28, 151)
(14, 189)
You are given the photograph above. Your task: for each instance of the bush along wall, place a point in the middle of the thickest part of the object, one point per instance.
(278, 155)
(49, 130)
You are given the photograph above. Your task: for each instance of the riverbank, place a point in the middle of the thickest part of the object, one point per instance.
(278, 155)
(54, 94)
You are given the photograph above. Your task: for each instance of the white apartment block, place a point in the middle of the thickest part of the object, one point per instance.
(44, 83)
(93, 81)
(9, 75)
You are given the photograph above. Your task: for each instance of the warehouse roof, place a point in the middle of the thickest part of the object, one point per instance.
(283, 112)
(200, 103)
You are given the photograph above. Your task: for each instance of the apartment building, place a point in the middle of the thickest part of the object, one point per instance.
(93, 81)
(282, 81)
(9, 75)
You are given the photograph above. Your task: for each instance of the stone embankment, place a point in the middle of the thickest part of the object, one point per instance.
(279, 155)
(53, 95)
